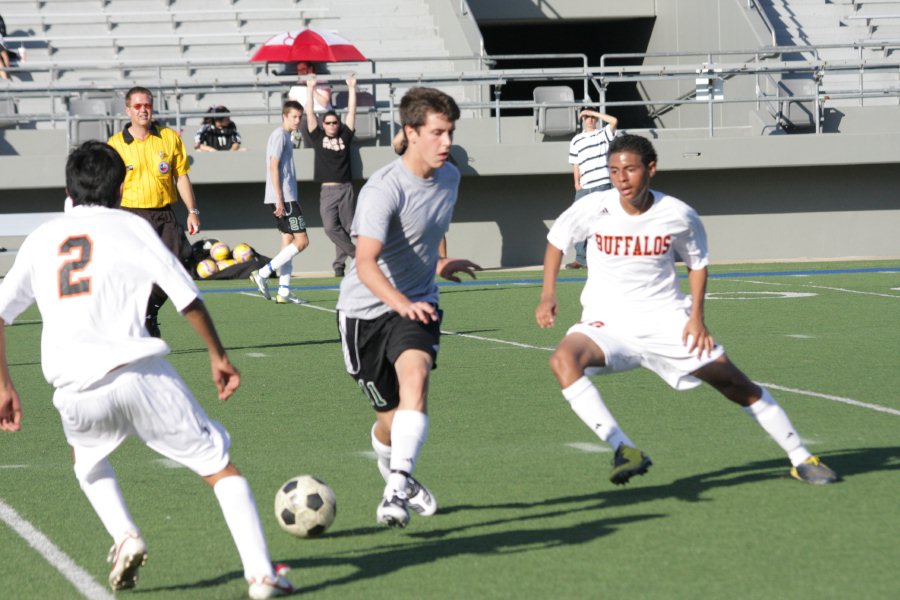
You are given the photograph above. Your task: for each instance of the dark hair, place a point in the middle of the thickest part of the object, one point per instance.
(213, 111)
(635, 144)
(137, 90)
(419, 101)
(291, 105)
(94, 175)
(331, 113)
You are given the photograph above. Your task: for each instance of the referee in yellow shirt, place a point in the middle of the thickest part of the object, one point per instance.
(156, 166)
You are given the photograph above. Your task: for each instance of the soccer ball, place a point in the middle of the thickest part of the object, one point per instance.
(207, 267)
(242, 253)
(224, 264)
(219, 251)
(305, 506)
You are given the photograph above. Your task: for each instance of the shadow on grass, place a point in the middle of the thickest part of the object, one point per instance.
(430, 546)
(417, 552)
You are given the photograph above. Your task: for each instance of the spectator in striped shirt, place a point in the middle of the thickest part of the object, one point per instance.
(587, 155)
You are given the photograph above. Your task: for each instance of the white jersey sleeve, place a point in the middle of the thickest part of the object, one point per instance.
(575, 223)
(692, 246)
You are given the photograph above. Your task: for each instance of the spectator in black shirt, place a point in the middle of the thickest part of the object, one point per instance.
(331, 146)
(217, 132)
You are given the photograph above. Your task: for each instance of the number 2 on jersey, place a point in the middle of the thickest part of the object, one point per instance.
(77, 249)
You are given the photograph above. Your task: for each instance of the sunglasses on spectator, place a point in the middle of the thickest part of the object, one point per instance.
(331, 122)
(142, 106)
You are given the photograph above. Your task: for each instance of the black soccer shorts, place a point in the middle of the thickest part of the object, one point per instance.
(292, 221)
(371, 346)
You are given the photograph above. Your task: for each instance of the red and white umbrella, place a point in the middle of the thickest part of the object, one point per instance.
(307, 45)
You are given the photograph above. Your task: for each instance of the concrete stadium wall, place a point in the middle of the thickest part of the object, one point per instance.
(823, 196)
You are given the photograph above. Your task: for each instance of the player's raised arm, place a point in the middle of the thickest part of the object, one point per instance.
(545, 313)
(225, 375)
(10, 405)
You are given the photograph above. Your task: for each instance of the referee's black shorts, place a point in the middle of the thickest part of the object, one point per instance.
(371, 346)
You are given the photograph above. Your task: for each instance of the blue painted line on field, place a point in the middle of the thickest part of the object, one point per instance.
(486, 282)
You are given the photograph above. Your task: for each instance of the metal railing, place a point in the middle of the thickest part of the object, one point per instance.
(755, 6)
(764, 71)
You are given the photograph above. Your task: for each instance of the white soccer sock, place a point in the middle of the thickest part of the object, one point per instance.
(239, 509)
(585, 400)
(408, 434)
(284, 277)
(282, 258)
(382, 455)
(103, 492)
(771, 417)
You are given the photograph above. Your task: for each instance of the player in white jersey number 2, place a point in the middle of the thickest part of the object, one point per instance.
(635, 315)
(90, 272)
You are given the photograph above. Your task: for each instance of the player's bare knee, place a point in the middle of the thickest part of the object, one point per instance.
(563, 363)
(301, 242)
(229, 471)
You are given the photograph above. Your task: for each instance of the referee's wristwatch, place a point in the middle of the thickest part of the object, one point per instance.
(194, 211)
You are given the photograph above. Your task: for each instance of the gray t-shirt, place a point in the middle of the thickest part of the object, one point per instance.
(279, 146)
(410, 216)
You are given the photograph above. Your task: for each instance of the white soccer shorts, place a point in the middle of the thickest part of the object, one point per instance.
(150, 401)
(658, 349)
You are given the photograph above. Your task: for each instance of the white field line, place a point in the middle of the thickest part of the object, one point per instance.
(841, 399)
(77, 576)
(817, 287)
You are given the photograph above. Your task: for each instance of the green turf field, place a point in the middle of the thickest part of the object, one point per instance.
(526, 507)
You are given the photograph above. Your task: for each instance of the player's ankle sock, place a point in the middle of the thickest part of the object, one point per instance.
(408, 433)
(266, 270)
(585, 400)
(239, 509)
(102, 490)
(382, 456)
(772, 418)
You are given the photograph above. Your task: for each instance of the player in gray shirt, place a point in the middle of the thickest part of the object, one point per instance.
(388, 306)
(281, 191)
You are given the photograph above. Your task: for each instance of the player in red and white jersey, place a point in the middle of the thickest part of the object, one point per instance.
(634, 314)
(90, 272)
(632, 273)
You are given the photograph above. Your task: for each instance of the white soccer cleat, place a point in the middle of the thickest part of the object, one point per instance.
(420, 499)
(392, 512)
(126, 558)
(289, 299)
(261, 284)
(266, 587)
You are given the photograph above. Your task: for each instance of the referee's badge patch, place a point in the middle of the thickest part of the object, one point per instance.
(164, 167)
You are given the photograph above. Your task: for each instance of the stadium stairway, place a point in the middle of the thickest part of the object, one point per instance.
(844, 22)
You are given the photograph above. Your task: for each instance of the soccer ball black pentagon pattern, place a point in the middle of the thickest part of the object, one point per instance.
(305, 506)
